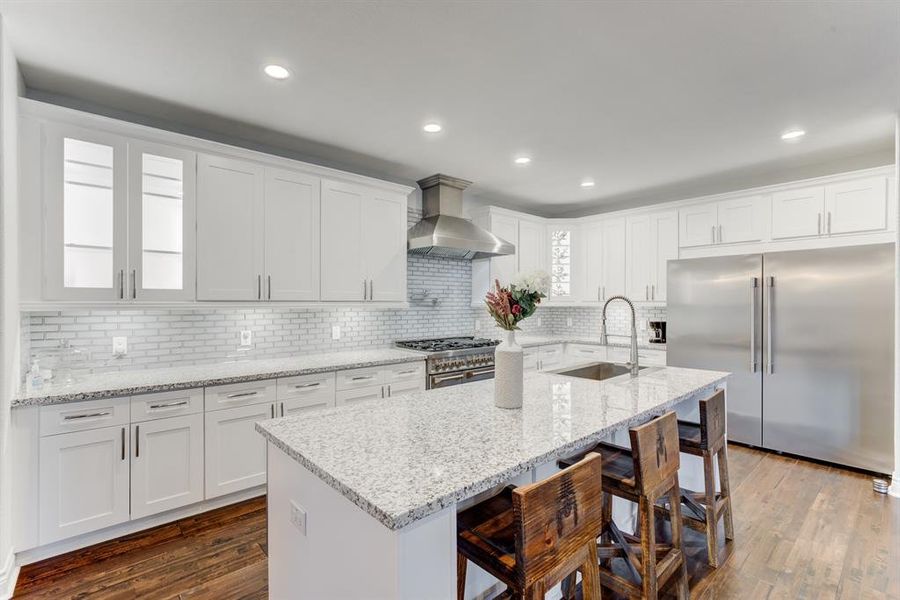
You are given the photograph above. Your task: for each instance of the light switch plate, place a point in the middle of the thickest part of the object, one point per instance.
(246, 337)
(298, 517)
(120, 345)
(335, 332)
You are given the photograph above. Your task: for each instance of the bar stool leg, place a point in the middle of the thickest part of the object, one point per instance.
(682, 588)
(712, 522)
(648, 549)
(725, 486)
(590, 576)
(461, 564)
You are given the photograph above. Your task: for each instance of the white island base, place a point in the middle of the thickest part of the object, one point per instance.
(346, 554)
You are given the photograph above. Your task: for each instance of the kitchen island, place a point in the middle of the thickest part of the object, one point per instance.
(362, 499)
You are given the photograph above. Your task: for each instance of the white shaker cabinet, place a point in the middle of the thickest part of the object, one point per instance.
(235, 452)
(230, 229)
(166, 464)
(531, 247)
(590, 268)
(602, 260)
(652, 240)
(291, 246)
(613, 258)
(856, 206)
(737, 220)
(798, 212)
(664, 247)
(83, 482)
(698, 225)
(363, 244)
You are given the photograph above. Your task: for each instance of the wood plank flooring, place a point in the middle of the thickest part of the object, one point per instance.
(803, 531)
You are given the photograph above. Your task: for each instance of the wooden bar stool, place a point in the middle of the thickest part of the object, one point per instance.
(533, 536)
(644, 474)
(707, 440)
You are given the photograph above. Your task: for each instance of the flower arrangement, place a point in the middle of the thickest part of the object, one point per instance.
(510, 305)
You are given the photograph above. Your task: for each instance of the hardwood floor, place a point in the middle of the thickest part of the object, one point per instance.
(803, 530)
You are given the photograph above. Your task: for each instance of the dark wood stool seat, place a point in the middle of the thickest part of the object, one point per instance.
(531, 537)
(689, 438)
(644, 474)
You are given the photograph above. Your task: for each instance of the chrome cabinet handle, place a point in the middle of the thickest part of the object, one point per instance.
(168, 404)
(137, 441)
(362, 377)
(720, 234)
(653, 291)
(134, 283)
(86, 416)
(819, 224)
(713, 234)
(121, 284)
(300, 386)
(364, 290)
(259, 287)
(410, 372)
(754, 284)
(770, 368)
(123, 443)
(282, 409)
(646, 292)
(371, 289)
(598, 293)
(269, 279)
(241, 395)
(272, 407)
(389, 390)
(604, 293)
(829, 222)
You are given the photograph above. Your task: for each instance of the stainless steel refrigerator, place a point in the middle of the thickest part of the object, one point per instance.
(809, 338)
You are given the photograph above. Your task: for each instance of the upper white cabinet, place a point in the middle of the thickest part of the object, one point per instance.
(531, 247)
(855, 206)
(591, 269)
(499, 268)
(363, 244)
(119, 219)
(652, 240)
(731, 221)
(612, 282)
(798, 212)
(292, 231)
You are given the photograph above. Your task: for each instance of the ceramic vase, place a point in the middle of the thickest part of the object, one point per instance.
(508, 367)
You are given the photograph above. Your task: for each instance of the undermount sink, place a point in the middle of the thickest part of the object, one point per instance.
(597, 371)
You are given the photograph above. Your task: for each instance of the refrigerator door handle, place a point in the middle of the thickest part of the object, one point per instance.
(754, 284)
(770, 283)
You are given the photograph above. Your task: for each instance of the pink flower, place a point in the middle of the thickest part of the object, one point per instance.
(516, 309)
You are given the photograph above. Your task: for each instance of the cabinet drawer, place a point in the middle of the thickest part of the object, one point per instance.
(401, 388)
(551, 355)
(344, 397)
(81, 416)
(618, 355)
(407, 372)
(218, 397)
(530, 358)
(294, 406)
(147, 407)
(655, 358)
(314, 387)
(586, 352)
(359, 378)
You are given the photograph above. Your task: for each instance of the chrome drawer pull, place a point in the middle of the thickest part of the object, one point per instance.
(300, 386)
(86, 416)
(407, 372)
(362, 377)
(241, 395)
(168, 404)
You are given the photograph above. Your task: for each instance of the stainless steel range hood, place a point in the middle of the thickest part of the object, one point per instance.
(443, 231)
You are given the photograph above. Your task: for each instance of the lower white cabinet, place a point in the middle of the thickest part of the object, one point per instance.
(585, 352)
(83, 482)
(543, 357)
(235, 451)
(360, 394)
(166, 464)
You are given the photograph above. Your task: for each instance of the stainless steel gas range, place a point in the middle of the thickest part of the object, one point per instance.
(451, 361)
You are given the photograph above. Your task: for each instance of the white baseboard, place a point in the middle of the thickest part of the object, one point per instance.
(894, 490)
(9, 573)
(95, 537)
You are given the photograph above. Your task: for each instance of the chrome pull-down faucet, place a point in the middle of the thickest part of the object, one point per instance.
(634, 348)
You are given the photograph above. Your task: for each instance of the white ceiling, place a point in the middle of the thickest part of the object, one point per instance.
(654, 100)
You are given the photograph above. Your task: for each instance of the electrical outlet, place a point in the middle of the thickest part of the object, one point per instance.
(298, 517)
(335, 332)
(246, 337)
(568, 321)
(120, 345)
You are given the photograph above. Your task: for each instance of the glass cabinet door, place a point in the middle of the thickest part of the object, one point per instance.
(86, 211)
(161, 217)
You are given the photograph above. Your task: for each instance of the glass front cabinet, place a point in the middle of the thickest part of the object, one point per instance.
(119, 218)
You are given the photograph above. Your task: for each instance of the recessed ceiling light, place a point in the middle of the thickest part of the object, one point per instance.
(587, 183)
(432, 127)
(522, 160)
(793, 134)
(276, 72)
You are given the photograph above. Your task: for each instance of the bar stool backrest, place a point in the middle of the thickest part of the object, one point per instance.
(712, 420)
(654, 446)
(557, 517)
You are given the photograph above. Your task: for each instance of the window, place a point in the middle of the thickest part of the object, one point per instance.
(560, 263)
(87, 214)
(161, 218)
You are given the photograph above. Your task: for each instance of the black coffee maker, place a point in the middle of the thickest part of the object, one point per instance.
(657, 332)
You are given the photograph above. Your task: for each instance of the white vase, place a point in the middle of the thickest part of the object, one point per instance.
(508, 367)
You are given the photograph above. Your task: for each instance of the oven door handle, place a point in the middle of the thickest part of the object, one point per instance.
(477, 372)
(437, 380)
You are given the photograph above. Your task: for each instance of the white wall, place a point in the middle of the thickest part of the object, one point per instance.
(10, 87)
(895, 486)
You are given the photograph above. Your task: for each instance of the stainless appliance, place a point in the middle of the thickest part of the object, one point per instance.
(455, 360)
(657, 332)
(809, 338)
(443, 231)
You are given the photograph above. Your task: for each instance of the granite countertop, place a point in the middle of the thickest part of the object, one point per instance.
(614, 340)
(405, 458)
(126, 383)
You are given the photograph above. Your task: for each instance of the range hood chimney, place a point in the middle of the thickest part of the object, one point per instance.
(443, 231)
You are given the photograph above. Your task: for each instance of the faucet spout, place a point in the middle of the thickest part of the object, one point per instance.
(633, 363)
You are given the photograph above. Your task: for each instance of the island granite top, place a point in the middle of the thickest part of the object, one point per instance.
(402, 459)
(127, 383)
